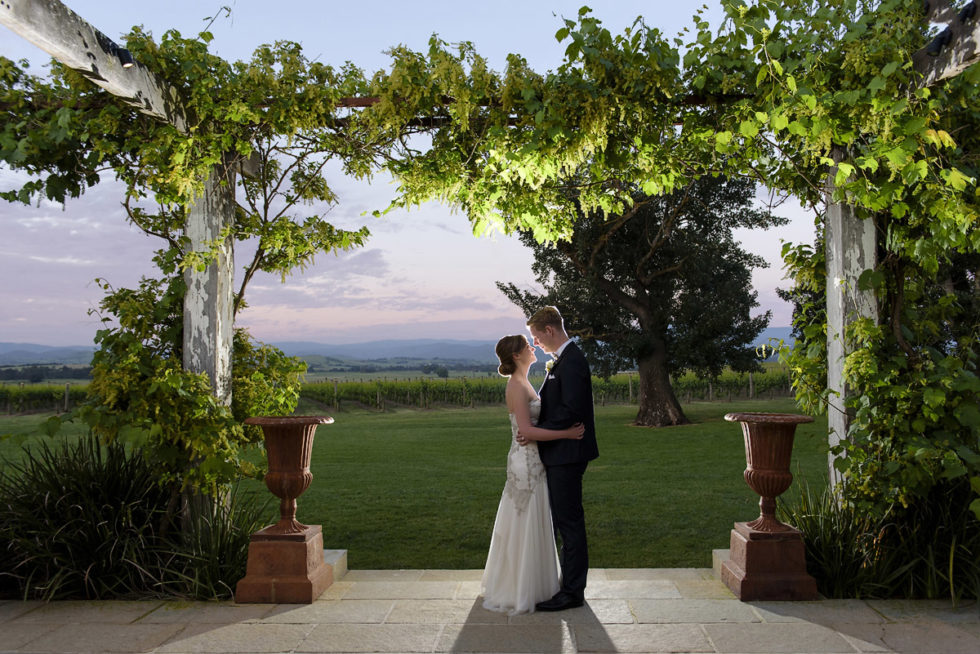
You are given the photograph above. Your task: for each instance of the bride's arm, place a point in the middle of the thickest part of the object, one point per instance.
(532, 433)
(517, 403)
(522, 413)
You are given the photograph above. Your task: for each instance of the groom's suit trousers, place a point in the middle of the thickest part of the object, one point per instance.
(565, 494)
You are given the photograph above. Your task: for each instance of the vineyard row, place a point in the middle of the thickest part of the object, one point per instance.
(431, 393)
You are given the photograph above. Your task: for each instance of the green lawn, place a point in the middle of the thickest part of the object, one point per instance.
(20, 431)
(419, 489)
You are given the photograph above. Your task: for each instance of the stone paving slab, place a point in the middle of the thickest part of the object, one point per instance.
(822, 611)
(927, 611)
(368, 611)
(668, 574)
(384, 575)
(451, 575)
(206, 613)
(703, 589)
(77, 611)
(595, 611)
(104, 637)
(911, 638)
(650, 589)
(443, 612)
(392, 611)
(237, 639)
(418, 590)
(371, 638)
(17, 636)
(642, 638)
(469, 590)
(693, 611)
(783, 637)
(10, 609)
(544, 638)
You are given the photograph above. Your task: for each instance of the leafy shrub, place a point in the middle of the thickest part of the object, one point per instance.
(140, 390)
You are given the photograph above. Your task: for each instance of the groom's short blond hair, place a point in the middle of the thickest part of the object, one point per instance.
(546, 317)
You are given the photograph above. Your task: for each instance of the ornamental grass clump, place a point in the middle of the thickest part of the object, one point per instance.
(81, 521)
(928, 550)
(212, 554)
(89, 520)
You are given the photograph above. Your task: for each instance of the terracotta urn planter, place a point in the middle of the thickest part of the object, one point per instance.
(285, 560)
(768, 449)
(767, 558)
(289, 446)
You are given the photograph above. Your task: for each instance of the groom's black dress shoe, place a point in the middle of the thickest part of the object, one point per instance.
(559, 602)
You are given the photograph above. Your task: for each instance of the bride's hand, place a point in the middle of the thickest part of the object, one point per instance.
(578, 431)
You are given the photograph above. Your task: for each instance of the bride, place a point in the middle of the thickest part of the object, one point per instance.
(522, 565)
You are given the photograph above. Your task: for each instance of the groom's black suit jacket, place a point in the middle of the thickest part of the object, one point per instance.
(566, 398)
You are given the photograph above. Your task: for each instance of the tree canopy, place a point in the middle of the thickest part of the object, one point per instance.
(663, 288)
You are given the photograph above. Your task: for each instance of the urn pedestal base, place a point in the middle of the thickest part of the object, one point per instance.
(767, 565)
(285, 568)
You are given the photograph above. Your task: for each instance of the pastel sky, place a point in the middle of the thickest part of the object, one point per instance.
(422, 273)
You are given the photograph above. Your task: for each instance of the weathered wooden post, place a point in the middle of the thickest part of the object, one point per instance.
(850, 248)
(209, 300)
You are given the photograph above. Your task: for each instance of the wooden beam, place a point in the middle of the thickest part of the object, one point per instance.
(955, 49)
(67, 37)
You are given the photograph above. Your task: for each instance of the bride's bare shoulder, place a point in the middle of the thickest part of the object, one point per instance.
(518, 394)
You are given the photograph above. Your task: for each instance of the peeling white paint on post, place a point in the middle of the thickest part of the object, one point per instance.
(208, 304)
(850, 250)
(961, 31)
(67, 37)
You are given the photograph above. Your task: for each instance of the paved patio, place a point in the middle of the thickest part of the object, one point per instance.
(666, 610)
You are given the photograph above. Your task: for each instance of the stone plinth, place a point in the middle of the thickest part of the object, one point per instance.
(285, 568)
(767, 565)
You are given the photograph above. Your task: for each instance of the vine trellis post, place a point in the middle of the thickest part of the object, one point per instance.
(851, 242)
(208, 307)
(208, 304)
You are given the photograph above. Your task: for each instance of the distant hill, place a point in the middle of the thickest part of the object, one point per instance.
(24, 354)
(777, 333)
(428, 349)
(388, 352)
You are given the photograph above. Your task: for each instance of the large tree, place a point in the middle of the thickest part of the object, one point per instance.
(664, 287)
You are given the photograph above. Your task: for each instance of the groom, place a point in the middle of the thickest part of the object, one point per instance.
(566, 399)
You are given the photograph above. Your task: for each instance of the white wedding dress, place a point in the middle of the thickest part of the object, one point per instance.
(522, 565)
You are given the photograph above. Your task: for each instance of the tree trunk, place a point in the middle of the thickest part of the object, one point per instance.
(658, 404)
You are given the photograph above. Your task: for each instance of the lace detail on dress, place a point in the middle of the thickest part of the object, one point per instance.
(525, 472)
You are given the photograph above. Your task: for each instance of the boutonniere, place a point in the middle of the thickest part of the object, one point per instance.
(549, 364)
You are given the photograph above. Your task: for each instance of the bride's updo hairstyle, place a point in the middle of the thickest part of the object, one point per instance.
(507, 347)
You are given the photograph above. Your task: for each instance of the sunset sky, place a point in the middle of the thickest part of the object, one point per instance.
(422, 273)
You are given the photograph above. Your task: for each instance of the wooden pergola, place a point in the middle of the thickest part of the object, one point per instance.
(208, 305)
